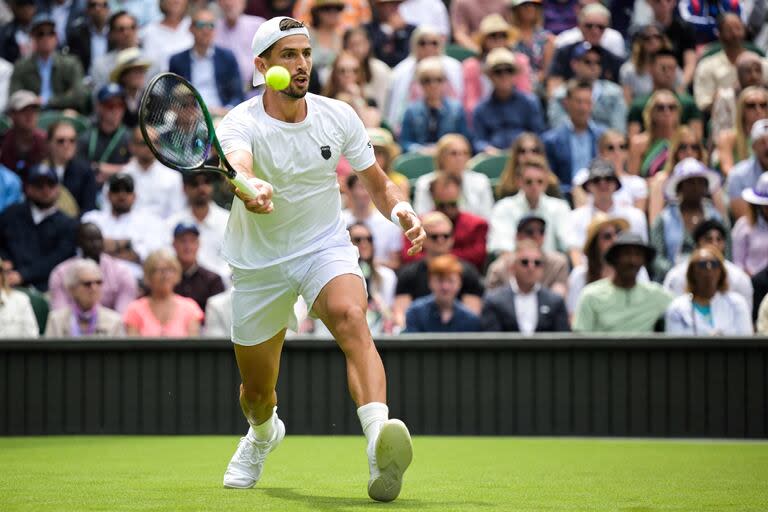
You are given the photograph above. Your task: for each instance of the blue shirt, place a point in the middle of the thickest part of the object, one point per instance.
(581, 151)
(497, 123)
(10, 188)
(45, 67)
(423, 316)
(744, 175)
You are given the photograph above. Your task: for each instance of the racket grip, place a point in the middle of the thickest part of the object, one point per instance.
(242, 183)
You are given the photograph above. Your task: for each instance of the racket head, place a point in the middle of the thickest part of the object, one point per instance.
(176, 124)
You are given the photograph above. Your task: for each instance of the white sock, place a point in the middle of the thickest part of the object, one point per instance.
(264, 431)
(371, 416)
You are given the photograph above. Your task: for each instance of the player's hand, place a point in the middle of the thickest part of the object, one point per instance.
(413, 230)
(262, 201)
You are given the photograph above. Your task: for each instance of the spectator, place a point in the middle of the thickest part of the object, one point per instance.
(10, 188)
(211, 69)
(507, 212)
(162, 312)
(380, 281)
(671, 233)
(64, 14)
(122, 35)
(84, 315)
(649, 150)
(416, 11)
(525, 146)
(451, 157)
(746, 173)
(130, 234)
(389, 33)
(610, 39)
(209, 218)
(601, 233)
(469, 231)
(680, 34)
(709, 309)
(426, 120)
(555, 275)
(711, 233)
(34, 235)
(412, 281)
(762, 318)
(664, 72)
(106, 143)
(440, 311)
(500, 118)
(733, 145)
(719, 70)
(356, 12)
(760, 287)
(17, 319)
(426, 41)
(234, 31)
(73, 173)
(386, 150)
(170, 35)
(218, 315)
(376, 75)
(345, 83)
(15, 42)
(593, 20)
(6, 69)
(387, 237)
(158, 189)
(750, 233)
(533, 41)
(87, 38)
(524, 305)
(24, 144)
(118, 286)
(494, 33)
(55, 77)
(325, 32)
(622, 304)
(560, 15)
(130, 73)
(635, 74)
(572, 145)
(601, 184)
(608, 106)
(197, 282)
(467, 18)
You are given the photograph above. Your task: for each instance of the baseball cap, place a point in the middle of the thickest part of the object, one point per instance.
(23, 99)
(515, 3)
(41, 171)
(759, 129)
(581, 49)
(110, 91)
(42, 18)
(121, 182)
(270, 32)
(182, 228)
(525, 219)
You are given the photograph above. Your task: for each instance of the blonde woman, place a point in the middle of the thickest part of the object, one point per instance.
(533, 41)
(648, 150)
(162, 312)
(17, 318)
(526, 145)
(733, 144)
(635, 73)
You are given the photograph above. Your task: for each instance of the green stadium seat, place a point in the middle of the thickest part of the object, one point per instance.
(5, 124)
(78, 121)
(458, 52)
(491, 166)
(40, 306)
(413, 165)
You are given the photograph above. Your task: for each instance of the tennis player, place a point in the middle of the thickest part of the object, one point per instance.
(290, 240)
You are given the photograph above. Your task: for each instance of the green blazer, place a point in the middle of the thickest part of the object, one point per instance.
(66, 81)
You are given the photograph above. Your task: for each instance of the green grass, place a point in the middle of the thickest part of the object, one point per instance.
(330, 474)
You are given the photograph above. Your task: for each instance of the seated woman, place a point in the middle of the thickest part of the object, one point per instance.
(17, 318)
(709, 309)
(375, 74)
(429, 118)
(635, 73)
(526, 144)
(162, 312)
(345, 83)
(733, 144)
(750, 234)
(533, 41)
(648, 150)
(86, 316)
(325, 27)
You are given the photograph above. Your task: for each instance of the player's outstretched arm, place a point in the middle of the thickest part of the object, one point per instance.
(242, 161)
(389, 199)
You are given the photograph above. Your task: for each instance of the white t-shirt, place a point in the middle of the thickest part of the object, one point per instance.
(158, 189)
(299, 161)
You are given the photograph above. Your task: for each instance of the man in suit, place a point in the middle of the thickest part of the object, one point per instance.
(211, 69)
(88, 37)
(14, 35)
(524, 305)
(56, 78)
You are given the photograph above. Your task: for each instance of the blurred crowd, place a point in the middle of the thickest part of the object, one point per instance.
(578, 165)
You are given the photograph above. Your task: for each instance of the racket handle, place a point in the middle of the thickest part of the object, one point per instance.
(242, 183)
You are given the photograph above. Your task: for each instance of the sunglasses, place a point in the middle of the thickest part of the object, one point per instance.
(45, 33)
(591, 62)
(439, 236)
(752, 105)
(661, 107)
(124, 28)
(503, 70)
(204, 24)
(64, 140)
(496, 35)
(686, 147)
(199, 183)
(350, 70)
(120, 189)
(429, 42)
(442, 205)
(457, 152)
(591, 26)
(707, 264)
(522, 150)
(601, 179)
(533, 231)
(361, 239)
(432, 80)
(89, 284)
(608, 235)
(713, 239)
(526, 262)
(649, 37)
(530, 182)
(616, 147)
(97, 5)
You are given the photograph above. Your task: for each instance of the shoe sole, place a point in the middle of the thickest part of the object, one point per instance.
(281, 436)
(394, 453)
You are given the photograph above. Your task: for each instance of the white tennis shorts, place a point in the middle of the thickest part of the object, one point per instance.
(263, 299)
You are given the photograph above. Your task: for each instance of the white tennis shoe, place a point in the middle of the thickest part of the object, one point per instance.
(392, 455)
(247, 463)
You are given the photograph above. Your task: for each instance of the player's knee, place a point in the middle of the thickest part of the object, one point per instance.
(256, 397)
(350, 318)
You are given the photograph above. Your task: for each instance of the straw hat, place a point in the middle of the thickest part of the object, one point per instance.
(490, 25)
(599, 221)
(129, 58)
(382, 138)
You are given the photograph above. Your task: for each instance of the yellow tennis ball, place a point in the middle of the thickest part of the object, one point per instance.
(278, 78)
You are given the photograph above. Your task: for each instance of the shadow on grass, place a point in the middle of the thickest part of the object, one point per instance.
(333, 503)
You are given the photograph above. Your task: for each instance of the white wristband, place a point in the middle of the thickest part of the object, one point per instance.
(402, 206)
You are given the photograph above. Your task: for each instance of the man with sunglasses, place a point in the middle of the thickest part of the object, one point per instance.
(213, 70)
(389, 33)
(88, 36)
(123, 34)
(14, 35)
(523, 305)
(611, 39)
(56, 78)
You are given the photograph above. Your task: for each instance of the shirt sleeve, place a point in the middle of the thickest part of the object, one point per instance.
(233, 133)
(132, 316)
(357, 149)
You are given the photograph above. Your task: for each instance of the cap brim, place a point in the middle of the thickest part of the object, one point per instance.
(713, 181)
(610, 256)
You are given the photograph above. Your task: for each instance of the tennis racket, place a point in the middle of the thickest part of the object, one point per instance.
(178, 129)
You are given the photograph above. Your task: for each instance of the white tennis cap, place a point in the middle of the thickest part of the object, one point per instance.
(268, 34)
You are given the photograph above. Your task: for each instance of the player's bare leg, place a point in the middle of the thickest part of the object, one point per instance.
(259, 366)
(342, 305)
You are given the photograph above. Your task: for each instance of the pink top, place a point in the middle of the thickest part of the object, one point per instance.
(139, 315)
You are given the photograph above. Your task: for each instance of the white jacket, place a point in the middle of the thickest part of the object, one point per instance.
(730, 314)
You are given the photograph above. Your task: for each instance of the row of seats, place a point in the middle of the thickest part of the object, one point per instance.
(414, 165)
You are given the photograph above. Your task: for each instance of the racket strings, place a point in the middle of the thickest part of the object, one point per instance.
(175, 123)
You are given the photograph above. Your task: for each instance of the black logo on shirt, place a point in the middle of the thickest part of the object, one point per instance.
(325, 151)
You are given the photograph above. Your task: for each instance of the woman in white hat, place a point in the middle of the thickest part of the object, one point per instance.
(750, 234)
